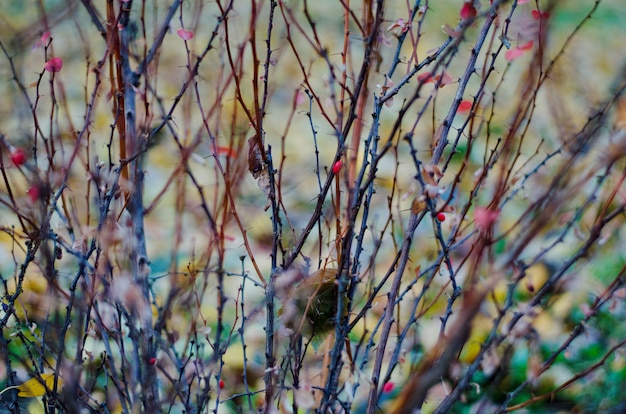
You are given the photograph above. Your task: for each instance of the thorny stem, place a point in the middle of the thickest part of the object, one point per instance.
(388, 316)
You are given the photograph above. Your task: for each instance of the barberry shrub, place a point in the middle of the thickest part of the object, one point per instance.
(329, 206)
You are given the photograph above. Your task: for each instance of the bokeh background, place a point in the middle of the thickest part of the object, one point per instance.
(201, 160)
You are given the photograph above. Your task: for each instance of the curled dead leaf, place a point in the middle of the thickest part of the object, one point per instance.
(256, 165)
(255, 158)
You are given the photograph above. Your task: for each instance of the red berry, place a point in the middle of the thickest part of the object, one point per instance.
(221, 384)
(441, 217)
(337, 166)
(388, 387)
(152, 361)
(537, 15)
(18, 157)
(33, 194)
(468, 11)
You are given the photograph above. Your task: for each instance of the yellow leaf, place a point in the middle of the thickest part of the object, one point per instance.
(34, 386)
